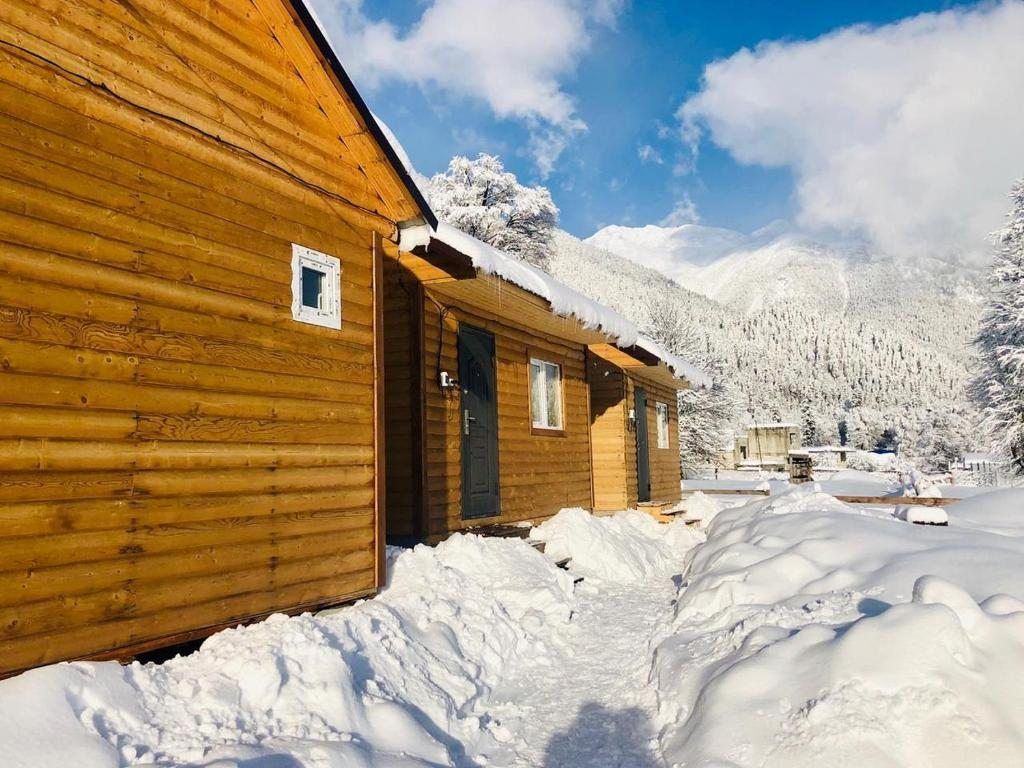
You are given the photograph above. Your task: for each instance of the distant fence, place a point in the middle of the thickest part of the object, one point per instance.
(727, 491)
(917, 501)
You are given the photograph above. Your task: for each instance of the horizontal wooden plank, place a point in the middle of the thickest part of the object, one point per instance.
(117, 632)
(84, 394)
(141, 596)
(188, 534)
(84, 578)
(56, 455)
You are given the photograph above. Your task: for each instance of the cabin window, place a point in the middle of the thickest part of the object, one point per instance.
(316, 287)
(546, 394)
(662, 411)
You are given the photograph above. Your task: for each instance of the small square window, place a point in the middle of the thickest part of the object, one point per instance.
(316, 287)
(662, 411)
(546, 394)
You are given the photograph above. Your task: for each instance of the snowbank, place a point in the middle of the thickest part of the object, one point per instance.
(915, 513)
(627, 548)
(997, 512)
(701, 507)
(811, 633)
(389, 682)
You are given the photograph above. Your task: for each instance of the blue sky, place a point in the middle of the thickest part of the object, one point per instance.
(626, 84)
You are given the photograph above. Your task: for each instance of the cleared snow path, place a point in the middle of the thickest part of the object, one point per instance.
(592, 704)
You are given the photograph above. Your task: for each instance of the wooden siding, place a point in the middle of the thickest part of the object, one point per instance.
(612, 393)
(176, 453)
(608, 434)
(666, 474)
(403, 368)
(538, 474)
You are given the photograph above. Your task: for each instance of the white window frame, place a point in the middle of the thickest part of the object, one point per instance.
(329, 315)
(540, 420)
(661, 410)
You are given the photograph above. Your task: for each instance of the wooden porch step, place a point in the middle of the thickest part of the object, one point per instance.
(662, 511)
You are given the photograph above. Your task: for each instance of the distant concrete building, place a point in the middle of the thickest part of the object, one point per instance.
(766, 446)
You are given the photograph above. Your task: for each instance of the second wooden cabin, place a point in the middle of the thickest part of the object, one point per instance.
(491, 414)
(634, 427)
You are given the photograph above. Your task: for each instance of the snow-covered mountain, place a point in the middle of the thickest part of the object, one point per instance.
(822, 333)
(777, 266)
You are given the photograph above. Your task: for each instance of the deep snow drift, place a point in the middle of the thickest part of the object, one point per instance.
(803, 632)
(812, 633)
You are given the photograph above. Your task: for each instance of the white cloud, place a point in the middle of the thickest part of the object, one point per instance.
(684, 212)
(649, 154)
(514, 56)
(909, 133)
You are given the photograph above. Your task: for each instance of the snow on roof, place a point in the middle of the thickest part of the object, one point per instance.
(564, 300)
(676, 364)
(772, 425)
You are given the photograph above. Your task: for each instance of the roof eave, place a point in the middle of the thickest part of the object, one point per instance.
(325, 49)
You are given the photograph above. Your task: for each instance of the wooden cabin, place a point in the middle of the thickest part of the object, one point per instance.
(489, 412)
(192, 207)
(634, 428)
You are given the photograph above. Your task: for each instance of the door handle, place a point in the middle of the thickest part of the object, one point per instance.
(466, 419)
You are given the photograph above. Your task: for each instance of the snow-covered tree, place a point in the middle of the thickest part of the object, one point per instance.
(999, 386)
(705, 415)
(484, 200)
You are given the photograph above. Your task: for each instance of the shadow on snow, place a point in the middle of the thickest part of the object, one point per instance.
(600, 737)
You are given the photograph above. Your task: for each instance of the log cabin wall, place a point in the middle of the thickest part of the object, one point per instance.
(176, 452)
(612, 395)
(403, 377)
(609, 434)
(666, 473)
(538, 474)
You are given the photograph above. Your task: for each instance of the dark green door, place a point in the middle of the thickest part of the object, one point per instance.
(479, 412)
(643, 459)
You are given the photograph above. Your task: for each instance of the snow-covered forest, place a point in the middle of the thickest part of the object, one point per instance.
(888, 356)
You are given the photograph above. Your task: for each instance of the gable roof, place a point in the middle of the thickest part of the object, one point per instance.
(316, 34)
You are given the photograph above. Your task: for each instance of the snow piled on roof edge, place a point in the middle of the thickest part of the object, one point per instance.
(698, 378)
(563, 299)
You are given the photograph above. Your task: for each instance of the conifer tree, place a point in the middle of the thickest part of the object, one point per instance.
(999, 386)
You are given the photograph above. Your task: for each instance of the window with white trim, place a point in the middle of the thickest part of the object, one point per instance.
(546, 394)
(316, 287)
(662, 411)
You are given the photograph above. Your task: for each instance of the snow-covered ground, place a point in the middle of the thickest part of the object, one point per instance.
(802, 632)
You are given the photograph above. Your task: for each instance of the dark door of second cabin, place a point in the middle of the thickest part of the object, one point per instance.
(477, 378)
(643, 459)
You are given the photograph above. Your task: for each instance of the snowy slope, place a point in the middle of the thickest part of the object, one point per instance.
(803, 330)
(776, 266)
